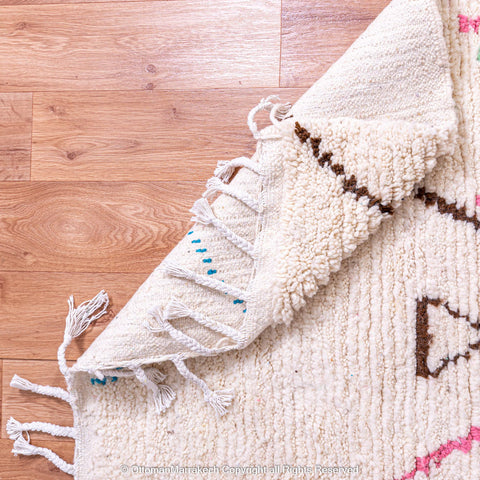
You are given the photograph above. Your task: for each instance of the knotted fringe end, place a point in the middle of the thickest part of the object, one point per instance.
(176, 309)
(23, 447)
(219, 400)
(15, 429)
(23, 384)
(202, 212)
(163, 395)
(77, 321)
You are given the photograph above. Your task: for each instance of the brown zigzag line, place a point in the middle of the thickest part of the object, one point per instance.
(349, 183)
(431, 198)
(424, 338)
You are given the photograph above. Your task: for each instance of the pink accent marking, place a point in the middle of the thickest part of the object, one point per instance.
(478, 200)
(466, 23)
(464, 444)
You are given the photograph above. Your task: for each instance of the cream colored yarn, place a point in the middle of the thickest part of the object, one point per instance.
(341, 380)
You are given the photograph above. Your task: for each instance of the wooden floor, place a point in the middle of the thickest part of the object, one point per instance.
(112, 117)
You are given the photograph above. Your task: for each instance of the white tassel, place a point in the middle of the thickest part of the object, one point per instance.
(176, 309)
(14, 429)
(225, 170)
(155, 375)
(175, 270)
(23, 384)
(163, 395)
(78, 319)
(163, 398)
(213, 185)
(202, 211)
(23, 447)
(220, 400)
(203, 214)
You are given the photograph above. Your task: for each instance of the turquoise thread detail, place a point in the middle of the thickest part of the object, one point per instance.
(211, 272)
(237, 301)
(245, 311)
(94, 381)
(189, 233)
(196, 241)
(201, 250)
(207, 260)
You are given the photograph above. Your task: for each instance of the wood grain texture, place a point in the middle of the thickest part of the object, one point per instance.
(140, 45)
(92, 226)
(38, 302)
(62, 2)
(28, 406)
(316, 33)
(15, 135)
(160, 135)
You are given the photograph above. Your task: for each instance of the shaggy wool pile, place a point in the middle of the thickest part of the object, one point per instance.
(321, 317)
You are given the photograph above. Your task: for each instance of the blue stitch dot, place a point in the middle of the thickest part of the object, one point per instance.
(211, 272)
(190, 232)
(245, 311)
(196, 241)
(207, 260)
(101, 382)
(119, 368)
(201, 250)
(92, 381)
(237, 301)
(114, 379)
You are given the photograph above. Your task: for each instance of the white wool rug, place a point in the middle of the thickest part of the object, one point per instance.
(321, 317)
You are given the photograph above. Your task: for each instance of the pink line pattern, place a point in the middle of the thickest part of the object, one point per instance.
(467, 23)
(463, 444)
(478, 200)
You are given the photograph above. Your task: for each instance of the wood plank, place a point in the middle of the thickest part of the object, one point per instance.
(31, 407)
(140, 45)
(22, 468)
(48, 2)
(92, 226)
(37, 302)
(1, 391)
(16, 135)
(160, 135)
(316, 33)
